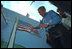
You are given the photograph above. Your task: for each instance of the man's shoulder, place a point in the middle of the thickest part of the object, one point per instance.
(51, 11)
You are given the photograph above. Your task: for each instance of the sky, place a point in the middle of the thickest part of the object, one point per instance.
(24, 7)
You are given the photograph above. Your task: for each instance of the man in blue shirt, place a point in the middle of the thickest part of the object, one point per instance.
(57, 32)
(50, 19)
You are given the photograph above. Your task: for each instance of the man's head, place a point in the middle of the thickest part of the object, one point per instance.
(42, 10)
(62, 13)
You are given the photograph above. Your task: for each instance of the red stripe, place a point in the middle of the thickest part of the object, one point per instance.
(24, 30)
(23, 27)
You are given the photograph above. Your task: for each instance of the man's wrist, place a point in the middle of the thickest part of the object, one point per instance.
(47, 23)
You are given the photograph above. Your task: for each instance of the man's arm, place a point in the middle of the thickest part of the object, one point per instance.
(41, 26)
(44, 25)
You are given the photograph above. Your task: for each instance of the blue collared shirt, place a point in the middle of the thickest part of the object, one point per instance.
(51, 17)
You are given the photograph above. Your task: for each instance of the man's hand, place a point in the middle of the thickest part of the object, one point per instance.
(31, 28)
(34, 30)
(44, 25)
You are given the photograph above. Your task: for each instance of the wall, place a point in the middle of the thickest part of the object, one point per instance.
(22, 38)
